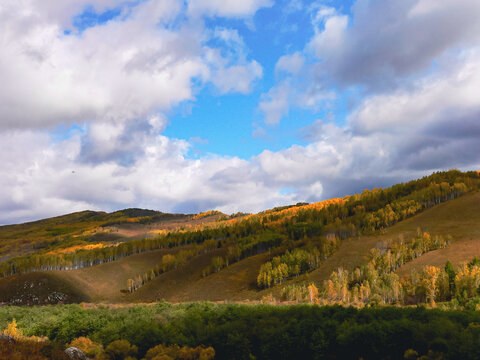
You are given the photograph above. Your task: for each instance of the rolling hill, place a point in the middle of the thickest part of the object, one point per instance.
(204, 240)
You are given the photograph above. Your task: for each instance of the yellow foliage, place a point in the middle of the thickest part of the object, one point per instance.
(312, 293)
(206, 213)
(331, 293)
(467, 280)
(88, 347)
(13, 331)
(430, 276)
(72, 249)
(292, 211)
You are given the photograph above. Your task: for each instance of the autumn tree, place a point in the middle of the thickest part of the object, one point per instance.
(429, 281)
(312, 293)
(120, 350)
(89, 348)
(12, 330)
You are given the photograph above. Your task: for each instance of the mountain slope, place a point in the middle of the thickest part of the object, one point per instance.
(201, 258)
(459, 218)
(87, 227)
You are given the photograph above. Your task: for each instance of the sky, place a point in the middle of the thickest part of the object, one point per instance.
(194, 105)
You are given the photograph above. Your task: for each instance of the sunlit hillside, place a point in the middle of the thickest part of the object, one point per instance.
(332, 248)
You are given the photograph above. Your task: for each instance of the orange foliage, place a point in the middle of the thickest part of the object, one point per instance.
(316, 206)
(13, 331)
(89, 348)
(74, 248)
(206, 213)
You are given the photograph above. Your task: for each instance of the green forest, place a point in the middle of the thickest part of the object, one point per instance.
(247, 332)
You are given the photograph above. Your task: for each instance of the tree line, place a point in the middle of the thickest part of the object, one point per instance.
(350, 216)
(295, 262)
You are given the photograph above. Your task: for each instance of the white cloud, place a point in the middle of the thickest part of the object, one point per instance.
(276, 103)
(371, 150)
(227, 8)
(231, 71)
(49, 78)
(333, 35)
(127, 68)
(49, 180)
(230, 36)
(430, 125)
(291, 64)
(414, 119)
(388, 40)
(237, 78)
(440, 97)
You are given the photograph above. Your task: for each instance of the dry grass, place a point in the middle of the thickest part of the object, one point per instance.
(34, 288)
(459, 218)
(104, 282)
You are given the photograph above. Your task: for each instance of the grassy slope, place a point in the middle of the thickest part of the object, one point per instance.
(26, 238)
(60, 231)
(236, 282)
(459, 218)
(104, 282)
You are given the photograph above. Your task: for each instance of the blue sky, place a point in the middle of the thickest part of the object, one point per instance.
(193, 105)
(226, 124)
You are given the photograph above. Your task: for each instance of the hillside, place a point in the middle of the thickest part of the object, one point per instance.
(211, 257)
(92, 227)
(459, 218)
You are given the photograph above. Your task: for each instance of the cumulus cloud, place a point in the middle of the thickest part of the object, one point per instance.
(238, 78)
(50, 180)
(50, 78)
(276, 103)
(387, 40)
(231, 70)
(296, 88)
(443, 97)
(410, 117)
(227, 8)
(291, 64)
(127, 68)
(415, 66)
(384, 46)
(433, 125)
(416, 63)
(113, 81)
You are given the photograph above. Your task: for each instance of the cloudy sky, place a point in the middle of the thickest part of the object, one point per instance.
(192, 105)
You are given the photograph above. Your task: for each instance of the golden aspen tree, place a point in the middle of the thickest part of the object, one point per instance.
(355, 292)
(429, 281)
(330, 288)
(312, 293)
